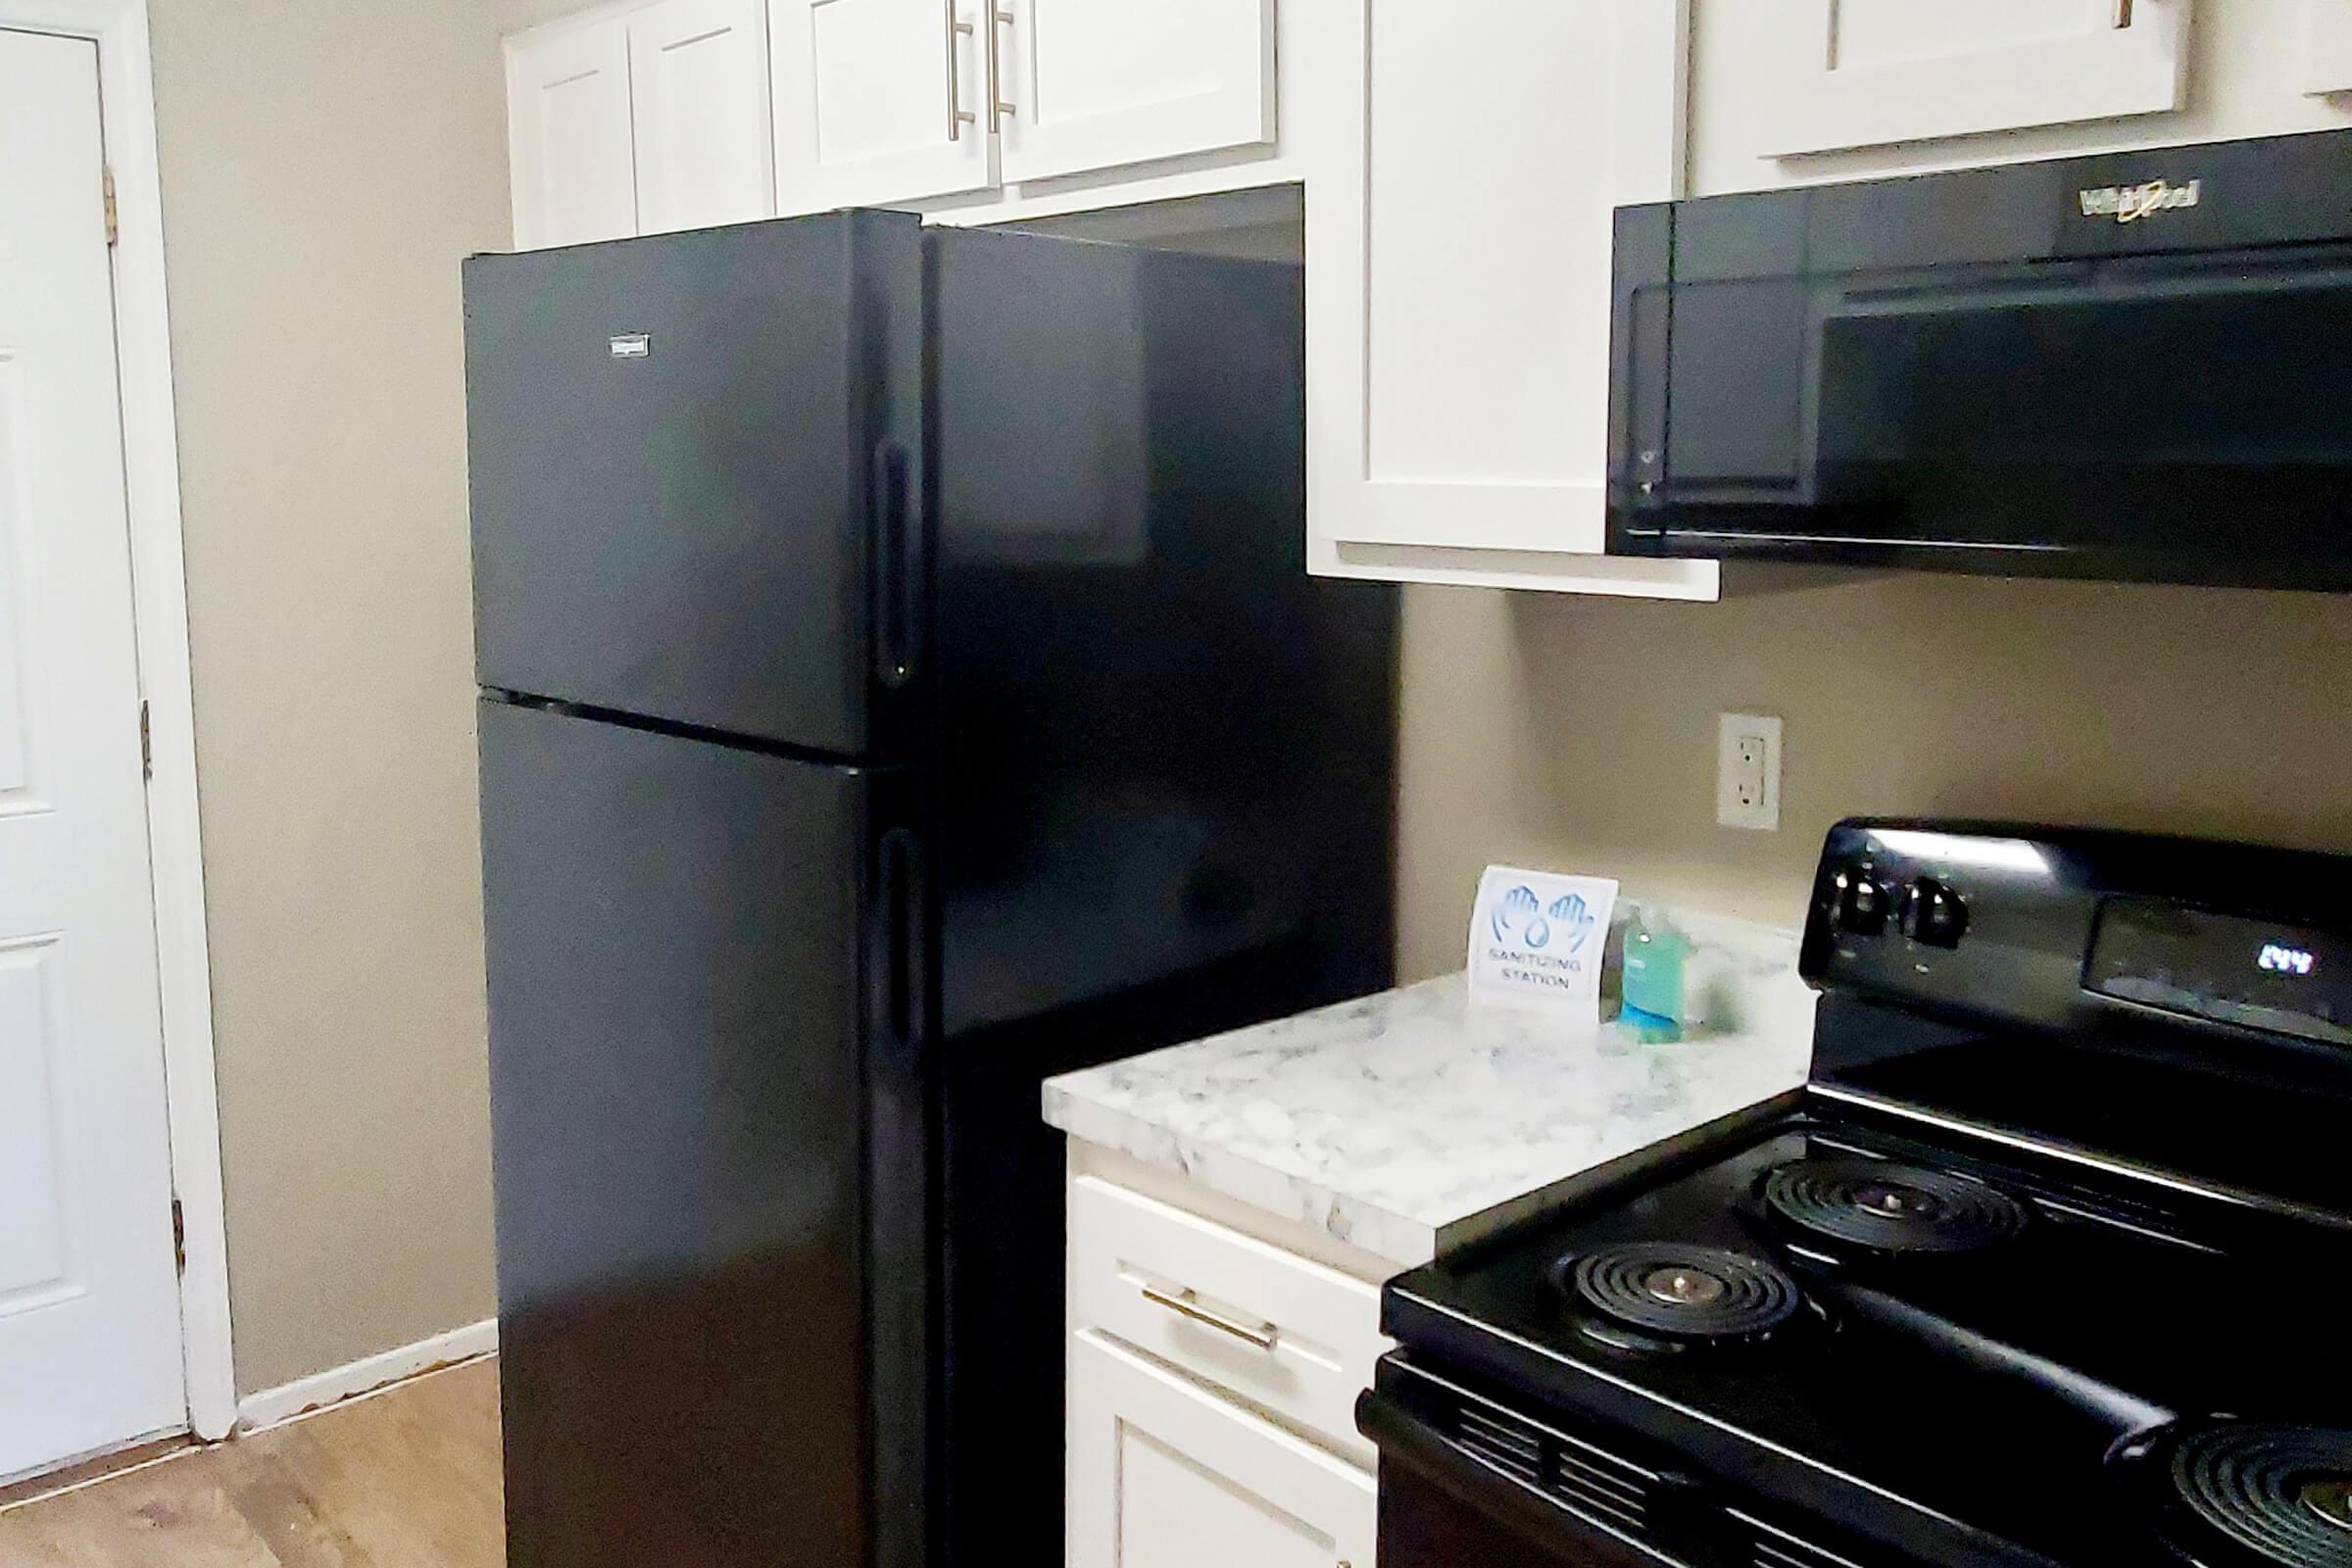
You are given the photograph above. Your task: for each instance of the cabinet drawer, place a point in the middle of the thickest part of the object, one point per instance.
(1284, 1332)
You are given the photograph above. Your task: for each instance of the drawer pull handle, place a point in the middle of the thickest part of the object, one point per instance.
(1186, 1304)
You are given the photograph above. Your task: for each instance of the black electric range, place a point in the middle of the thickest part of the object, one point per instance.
(2050, 1264)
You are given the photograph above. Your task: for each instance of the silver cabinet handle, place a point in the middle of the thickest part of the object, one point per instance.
(1186, 1304)
(959, 117)
(998, 108)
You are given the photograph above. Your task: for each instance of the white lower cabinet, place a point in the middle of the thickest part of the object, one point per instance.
(1215, 1356)
(1165, 1474)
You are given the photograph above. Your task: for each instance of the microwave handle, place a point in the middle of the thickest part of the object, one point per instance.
(2085, 283)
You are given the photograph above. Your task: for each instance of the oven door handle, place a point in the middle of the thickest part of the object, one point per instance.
(1406, 1440)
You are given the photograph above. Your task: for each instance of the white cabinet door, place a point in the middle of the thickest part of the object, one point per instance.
(1463, 161)
(1095, 83)
(880, 101)
(1163, 1474)
(1862, 73)
(2326, 54)
(568, 133)
(698, 75)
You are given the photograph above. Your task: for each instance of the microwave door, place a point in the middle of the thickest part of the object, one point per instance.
(2116, 411)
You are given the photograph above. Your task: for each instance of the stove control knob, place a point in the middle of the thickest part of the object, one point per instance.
(1861, 904)
(1934, 915)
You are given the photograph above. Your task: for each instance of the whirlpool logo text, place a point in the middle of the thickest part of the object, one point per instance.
(2129, 204)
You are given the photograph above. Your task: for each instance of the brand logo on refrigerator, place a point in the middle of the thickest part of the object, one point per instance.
(2129, 204)
(632, 345)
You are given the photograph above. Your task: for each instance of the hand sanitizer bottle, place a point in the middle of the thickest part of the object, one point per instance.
(1653, 976)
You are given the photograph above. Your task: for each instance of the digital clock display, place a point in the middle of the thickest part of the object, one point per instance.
(2256, 974)
(2278, 959)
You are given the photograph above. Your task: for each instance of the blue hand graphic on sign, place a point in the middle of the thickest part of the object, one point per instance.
(1520, 901)
(1571, 912)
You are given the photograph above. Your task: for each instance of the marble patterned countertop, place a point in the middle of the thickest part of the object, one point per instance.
(1414, 1120)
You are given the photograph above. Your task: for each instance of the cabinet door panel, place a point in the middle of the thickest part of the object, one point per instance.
(878, 101)
(1163, 1474)
(568, 133)
(2326, 53)
(698, 71)
(1093, 85)
(1861, 73)
(1460, 197)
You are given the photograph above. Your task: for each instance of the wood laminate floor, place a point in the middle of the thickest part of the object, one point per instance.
(405, 1479)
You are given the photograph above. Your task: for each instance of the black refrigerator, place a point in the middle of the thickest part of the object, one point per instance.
(900, 682)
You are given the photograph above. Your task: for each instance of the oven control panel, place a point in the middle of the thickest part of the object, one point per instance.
(2069, 928)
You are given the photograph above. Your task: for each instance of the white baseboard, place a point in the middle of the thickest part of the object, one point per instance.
(270, 1406)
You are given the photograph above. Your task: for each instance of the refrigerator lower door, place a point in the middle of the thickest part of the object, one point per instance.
(686, 1119)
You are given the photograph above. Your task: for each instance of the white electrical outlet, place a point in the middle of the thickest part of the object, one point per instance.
(1747, 772)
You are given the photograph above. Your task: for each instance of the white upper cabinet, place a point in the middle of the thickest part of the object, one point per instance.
(569, 136)
(637, 118)
(2326, 53)
(698, 75)
(1463, 164)
(1845, 74)
(1093, 85)
(880, 101)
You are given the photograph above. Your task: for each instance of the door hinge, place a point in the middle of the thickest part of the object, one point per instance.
(113, 226)
(146, 743)
(180, 1237)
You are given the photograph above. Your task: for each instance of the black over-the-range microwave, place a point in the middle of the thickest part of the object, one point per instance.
(2130, 366)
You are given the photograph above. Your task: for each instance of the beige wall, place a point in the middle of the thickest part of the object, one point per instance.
(1579, 733)
(510, 16)
(325, 167)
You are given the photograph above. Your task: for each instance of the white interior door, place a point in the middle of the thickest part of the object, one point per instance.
(698, 94)
(569, 139)
(880, 101)
(89, 1299)
(1096, 83)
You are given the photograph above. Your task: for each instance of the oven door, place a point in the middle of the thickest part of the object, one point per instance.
(1466, 1479)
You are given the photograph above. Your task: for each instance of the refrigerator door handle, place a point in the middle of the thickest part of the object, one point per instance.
(903, 998)
(896, 573)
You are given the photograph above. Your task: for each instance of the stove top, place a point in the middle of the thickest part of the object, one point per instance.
(1968, 1362)
(1873, 1330)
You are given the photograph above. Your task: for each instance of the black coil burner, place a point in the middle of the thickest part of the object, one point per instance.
(1686, 1292)
(2281, 1492)
(1890, 1207)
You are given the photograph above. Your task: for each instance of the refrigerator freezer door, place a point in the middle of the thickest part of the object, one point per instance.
(680, 1056)
(696, 477)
